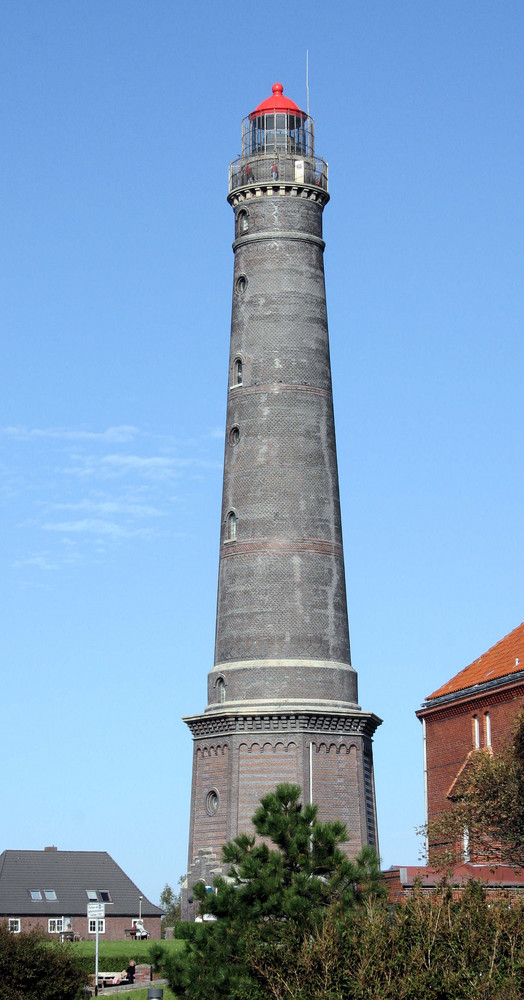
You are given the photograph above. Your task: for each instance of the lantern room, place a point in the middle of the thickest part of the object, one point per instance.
(278, 145)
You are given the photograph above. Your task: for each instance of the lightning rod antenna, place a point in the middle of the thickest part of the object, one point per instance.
(307, 82)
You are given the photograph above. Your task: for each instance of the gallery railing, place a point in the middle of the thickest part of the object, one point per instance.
(278, 170)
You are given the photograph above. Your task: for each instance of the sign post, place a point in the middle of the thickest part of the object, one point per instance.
(96, 912)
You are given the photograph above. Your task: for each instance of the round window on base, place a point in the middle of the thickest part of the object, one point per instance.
(212, 802)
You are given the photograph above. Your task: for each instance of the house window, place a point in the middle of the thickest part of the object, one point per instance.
(101, 926)
(476, 732)
(55, 925)
(14, 925)
(105, 896)
(50, 895)
(487, 723)
(231, 526)
(465, 845)
(35, 895)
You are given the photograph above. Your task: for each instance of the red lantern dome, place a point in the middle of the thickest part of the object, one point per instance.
(277, 102)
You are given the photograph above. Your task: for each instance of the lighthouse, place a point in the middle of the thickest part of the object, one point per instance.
(282, 701)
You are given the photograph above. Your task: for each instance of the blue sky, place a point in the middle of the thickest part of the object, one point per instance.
(119, 119)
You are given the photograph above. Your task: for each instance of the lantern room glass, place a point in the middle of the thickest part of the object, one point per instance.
(278, 147)
(278, 132)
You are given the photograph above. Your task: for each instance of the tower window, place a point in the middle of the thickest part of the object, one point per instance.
(237, 371)
(211, 808)
(242, 222)
(231, 526)
(241, 284)
(234, 435)
(221, 690)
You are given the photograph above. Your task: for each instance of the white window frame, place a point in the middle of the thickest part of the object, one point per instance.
(476, 732)
(487, 723)
(465, 846)
(58, 923)
(101, 926)
(14, 921)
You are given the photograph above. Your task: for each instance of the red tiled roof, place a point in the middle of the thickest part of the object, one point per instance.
(502, 660)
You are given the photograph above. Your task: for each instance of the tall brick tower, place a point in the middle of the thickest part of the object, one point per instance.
(282, 695)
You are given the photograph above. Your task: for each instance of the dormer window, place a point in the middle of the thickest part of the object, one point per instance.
(50, 895)
(35, 894)
(92, 895)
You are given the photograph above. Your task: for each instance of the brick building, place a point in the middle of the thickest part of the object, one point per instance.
(51, 889)
(475, 710)
(401, 880)
(282, 695)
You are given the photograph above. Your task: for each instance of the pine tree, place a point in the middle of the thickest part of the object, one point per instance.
(288, 873)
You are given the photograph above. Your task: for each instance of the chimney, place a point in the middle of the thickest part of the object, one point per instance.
(50, 848)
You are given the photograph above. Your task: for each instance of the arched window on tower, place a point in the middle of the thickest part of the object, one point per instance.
(242, 222)
(221, 690)
(237, 371)
(231, 526)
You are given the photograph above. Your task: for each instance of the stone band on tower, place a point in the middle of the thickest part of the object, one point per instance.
(282, 695)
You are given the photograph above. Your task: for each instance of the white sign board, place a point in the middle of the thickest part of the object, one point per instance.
(96, 911)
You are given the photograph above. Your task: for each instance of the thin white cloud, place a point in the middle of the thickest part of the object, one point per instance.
(148, 467)
(94, 526)
(42, 561)
(115, 435)
(104, 507)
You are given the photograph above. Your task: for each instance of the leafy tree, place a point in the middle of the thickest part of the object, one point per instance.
(435, 946)
(170, 902)
(488, 802)
(33, 969)
(288, 878)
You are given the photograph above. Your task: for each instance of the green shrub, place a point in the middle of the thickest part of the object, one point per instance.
(157, 955)
(31, 970)
(183, 931)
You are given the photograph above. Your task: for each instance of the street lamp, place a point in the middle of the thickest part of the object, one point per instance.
(140, 898)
